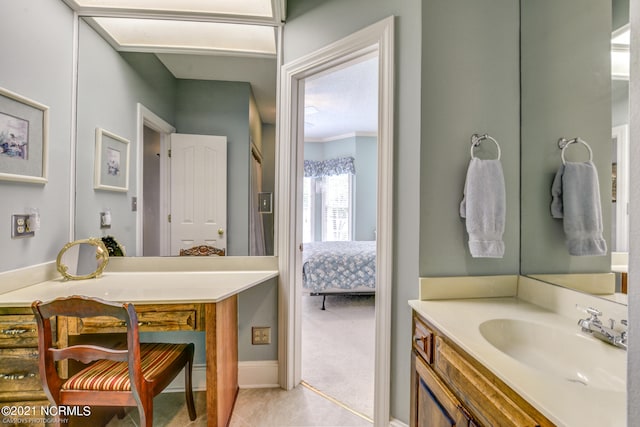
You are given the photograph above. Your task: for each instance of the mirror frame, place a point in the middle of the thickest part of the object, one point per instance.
(102, 255)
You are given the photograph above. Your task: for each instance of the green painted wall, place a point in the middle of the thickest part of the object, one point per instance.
(566, 92)
(222, 108)
(110, 86)
(315, 24)
(36, 40)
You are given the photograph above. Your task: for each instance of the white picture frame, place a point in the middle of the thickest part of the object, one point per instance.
(111, 162)
(24, 139)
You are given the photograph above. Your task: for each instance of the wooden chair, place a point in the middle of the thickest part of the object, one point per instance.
(202, 250)
(120, 377)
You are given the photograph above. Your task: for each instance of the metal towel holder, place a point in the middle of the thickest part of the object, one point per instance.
(563, 143)
(476, 139)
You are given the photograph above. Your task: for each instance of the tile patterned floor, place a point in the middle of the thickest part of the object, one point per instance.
(300, 407)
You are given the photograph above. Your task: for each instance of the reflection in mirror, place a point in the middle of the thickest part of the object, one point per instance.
(145, 96)
(570, 88)
(82, 259)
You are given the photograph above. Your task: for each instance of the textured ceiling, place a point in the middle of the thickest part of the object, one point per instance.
(343, 101)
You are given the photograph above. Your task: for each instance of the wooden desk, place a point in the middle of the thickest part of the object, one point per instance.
(215, 292)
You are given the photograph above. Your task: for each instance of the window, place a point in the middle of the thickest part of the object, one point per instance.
(337, 207)
(308, 209)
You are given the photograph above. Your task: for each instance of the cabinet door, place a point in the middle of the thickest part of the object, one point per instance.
(483, 397)
(433, 404)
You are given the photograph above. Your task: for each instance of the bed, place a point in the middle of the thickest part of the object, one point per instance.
(330, 268)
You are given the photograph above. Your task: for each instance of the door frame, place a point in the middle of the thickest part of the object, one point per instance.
(377, 38)
(148, 118)
(621, 212)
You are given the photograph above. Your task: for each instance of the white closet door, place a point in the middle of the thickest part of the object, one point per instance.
(198, 191)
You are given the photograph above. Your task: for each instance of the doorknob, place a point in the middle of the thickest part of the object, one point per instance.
(220, 231)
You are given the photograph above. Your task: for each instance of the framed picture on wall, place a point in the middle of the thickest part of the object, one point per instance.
(111, 162)
(24, 128)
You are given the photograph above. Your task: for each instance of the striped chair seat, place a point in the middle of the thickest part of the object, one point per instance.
(107, 375)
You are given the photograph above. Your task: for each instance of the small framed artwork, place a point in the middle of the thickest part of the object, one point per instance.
(24, 128)
(111, 162)
(265, 202)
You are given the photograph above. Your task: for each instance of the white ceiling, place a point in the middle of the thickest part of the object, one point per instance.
(342, 102)
(236, 41)
(223, 7)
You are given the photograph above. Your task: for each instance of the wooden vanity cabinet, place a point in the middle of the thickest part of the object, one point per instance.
(449, 388)
(151, 318)
(20, 384)
(19, 376)
(433, 404)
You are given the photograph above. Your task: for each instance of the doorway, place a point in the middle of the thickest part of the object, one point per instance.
(153, 184)
(376, 39)
(339, 206)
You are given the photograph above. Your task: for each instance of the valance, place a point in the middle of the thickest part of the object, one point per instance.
(339, 166)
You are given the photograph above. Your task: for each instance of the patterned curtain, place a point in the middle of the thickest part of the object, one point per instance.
(339, 166)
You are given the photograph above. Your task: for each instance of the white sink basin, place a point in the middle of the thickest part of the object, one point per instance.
(567, 356)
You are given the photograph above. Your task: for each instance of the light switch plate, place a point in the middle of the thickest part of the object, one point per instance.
(20, 227)
(105, 219)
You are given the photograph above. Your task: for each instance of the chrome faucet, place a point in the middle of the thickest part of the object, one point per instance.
(594, 326)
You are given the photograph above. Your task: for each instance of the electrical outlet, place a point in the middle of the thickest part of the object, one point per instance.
(20, 226)
(260, 335)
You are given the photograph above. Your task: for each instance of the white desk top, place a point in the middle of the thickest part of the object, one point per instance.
(144, 287)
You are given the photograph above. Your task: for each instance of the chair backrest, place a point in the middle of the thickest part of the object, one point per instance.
(82, 306)
(202, 250)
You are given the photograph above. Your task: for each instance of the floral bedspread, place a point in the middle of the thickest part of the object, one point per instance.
(339, 265)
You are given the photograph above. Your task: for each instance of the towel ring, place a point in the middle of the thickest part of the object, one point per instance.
(477, 139)
(563, 143)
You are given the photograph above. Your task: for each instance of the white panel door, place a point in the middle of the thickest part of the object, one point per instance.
(198, 191)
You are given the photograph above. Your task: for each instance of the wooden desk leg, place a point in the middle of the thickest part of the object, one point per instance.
(221, 320)
(623, 283)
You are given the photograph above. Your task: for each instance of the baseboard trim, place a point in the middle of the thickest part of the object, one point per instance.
(258, 374)
(397, 423)
(252, 374)
(198, 379)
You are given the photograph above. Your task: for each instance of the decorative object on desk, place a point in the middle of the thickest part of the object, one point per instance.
(575, 198)
(113, 247)
(111, 162)
(130, 376)
(484, 203)
(82, 259)
(202, 250)
(24, 127)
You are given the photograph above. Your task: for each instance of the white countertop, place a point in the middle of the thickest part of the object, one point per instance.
(144, 287)
(620, 268)
(565, 403)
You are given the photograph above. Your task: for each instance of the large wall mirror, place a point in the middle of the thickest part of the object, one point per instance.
(142, 81)
(572, 88)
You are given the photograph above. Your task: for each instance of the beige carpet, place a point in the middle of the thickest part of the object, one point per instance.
(338, 348)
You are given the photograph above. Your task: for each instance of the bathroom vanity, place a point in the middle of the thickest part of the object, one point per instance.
(175, 299)
(450, 388)
(518, 360)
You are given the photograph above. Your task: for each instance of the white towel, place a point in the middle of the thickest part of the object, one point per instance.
(575, 197)
(484, 207)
